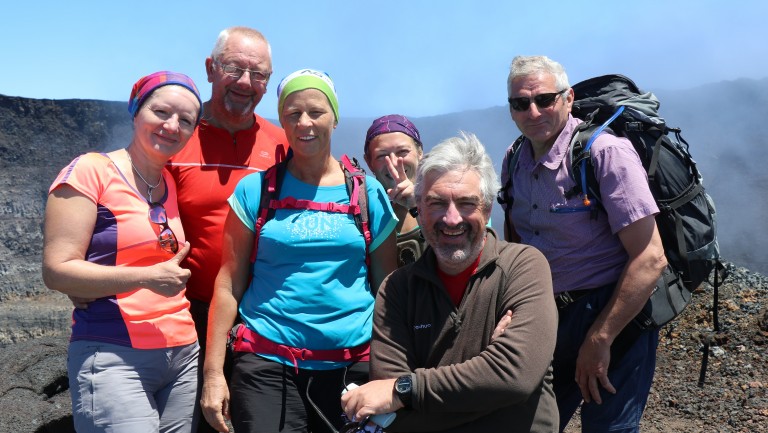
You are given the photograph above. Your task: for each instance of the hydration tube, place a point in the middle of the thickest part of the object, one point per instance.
(597, 132)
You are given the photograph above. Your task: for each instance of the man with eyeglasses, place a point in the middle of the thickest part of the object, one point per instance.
(230, 143)
(604, 264)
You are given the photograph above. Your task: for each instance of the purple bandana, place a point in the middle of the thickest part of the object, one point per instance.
(392, 123)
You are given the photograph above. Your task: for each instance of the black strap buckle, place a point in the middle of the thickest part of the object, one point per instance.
(563, 299)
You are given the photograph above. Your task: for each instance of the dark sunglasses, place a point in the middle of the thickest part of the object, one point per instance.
(166, 238)
(543, 100)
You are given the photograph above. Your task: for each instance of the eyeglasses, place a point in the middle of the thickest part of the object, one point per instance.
(166, 238)
(237, 72)
(542, 100)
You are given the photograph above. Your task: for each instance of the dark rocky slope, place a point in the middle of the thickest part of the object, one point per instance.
(37, 138)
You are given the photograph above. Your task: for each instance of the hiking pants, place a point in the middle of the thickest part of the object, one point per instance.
(119, 389)
(268, 396)
(632, 375)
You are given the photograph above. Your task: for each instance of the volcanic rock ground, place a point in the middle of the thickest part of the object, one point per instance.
(734, 397)
(34, 395)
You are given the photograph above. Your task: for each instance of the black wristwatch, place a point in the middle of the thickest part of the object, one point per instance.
(414, 211)
(404, 388)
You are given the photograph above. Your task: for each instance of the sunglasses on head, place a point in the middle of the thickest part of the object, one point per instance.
(542, 100)
(166, 238)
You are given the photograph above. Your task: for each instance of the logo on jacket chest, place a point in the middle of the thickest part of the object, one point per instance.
(422, 326)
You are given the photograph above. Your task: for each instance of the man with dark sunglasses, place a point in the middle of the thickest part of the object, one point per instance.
(604, 264)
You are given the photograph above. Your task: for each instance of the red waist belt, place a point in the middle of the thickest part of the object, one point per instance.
(248, 341)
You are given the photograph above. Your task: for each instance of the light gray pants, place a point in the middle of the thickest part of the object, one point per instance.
(118, 389)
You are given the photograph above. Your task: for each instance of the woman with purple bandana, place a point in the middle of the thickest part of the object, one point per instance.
(392, 151)
(113, 237)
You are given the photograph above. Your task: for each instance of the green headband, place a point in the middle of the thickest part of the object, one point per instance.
(307, 79)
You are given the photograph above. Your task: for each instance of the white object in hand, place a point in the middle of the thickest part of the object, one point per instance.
(382, 419)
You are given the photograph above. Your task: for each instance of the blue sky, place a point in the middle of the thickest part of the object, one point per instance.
(419, 58)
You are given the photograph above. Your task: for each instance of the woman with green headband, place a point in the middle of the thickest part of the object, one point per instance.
(307, 311)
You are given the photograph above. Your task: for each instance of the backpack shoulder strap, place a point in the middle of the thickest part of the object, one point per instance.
(582, 167)
(504, 196)
(269, 202)
(354, 177)
(270, 192)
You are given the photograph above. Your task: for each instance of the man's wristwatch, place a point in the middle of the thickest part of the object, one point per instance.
(404, 388)
(414, 211)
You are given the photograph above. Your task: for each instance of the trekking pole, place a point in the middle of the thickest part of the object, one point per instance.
(716, 322)
(715, 316)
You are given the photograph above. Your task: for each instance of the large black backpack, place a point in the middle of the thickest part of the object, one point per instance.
(686, 221)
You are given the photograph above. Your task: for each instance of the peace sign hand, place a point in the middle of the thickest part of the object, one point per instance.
(403, 191)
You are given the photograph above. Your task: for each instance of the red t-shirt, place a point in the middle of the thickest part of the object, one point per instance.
(206, 172)
(456, 285)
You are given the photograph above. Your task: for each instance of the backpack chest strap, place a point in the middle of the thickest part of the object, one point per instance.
(293, 203)
(356, 188)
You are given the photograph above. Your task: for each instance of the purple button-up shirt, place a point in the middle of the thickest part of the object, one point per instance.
(583, 252)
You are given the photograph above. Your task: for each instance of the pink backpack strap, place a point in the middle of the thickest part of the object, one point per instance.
(268, 193)
(293, 203)
(358, 198)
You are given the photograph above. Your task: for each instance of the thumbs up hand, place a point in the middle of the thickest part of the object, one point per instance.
(169, 278)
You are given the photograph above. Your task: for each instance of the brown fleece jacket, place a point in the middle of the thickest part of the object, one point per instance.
(463, 382)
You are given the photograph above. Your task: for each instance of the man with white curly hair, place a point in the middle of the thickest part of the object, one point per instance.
(462, 338)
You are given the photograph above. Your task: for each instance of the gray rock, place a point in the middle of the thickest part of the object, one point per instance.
(34, 390)
(41, 316)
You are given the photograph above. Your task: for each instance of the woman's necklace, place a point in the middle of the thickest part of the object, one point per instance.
(150, 187)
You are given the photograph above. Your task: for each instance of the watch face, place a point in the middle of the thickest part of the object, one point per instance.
(403, 389)
(403, 384)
